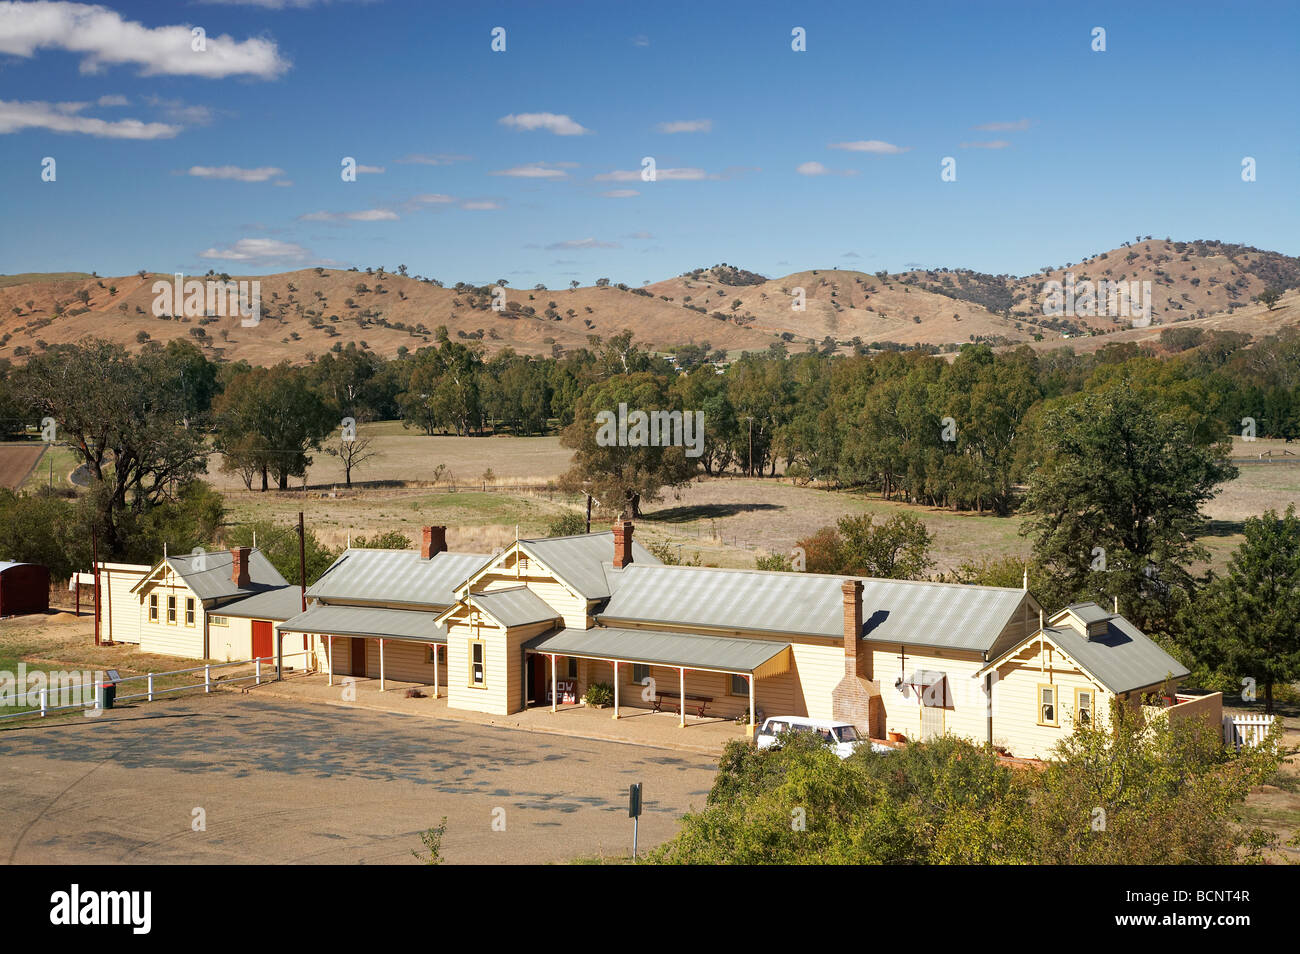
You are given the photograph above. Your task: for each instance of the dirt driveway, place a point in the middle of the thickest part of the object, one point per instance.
(282, 782)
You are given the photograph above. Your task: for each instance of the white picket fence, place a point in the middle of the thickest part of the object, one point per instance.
(85, 696)
(1239, 730)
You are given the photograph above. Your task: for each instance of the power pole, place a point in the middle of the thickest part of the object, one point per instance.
(302, 560)
(589, 513)
(750, 472)
(94, 566)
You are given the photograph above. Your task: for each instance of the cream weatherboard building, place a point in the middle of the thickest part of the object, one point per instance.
(544, 620)
(221, 605)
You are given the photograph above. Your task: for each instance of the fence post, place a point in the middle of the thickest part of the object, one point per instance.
(44, 702)
(207, 677)
(258, 670)
(151, 687)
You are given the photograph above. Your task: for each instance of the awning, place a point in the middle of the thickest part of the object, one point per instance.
(759, 657)
(928, 684)
(329, 620)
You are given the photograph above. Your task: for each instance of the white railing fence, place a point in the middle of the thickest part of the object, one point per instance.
(87, 694)
(1240, 730)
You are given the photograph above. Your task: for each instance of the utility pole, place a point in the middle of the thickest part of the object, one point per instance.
(302, 560)
(750, 472)
(94, 566)
(589, 513)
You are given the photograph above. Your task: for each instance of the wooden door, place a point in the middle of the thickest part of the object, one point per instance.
(358, 655)
(263, 641)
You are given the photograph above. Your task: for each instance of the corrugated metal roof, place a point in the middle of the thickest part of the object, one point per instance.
(281, 603)
(655, 647)
(5, 565)
(514, 606)
(328, 620)
(1089, 612)
(583, 560)
(1122, 660)
(397, 576)
(945, 615)
(208, 574)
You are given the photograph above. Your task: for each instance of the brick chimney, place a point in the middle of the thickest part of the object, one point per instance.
(239, 566)
(622, 544)
(434, 541)
(856, 698)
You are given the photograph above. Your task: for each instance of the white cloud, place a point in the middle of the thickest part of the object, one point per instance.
(62, 117)
(370, 170)
(431, 198)
(870, 145)
(811, 169)
(434, 159)
(581, 243)
(113, 100)
(634, 175)
(992, 144)
(1017, 125)
(620, 193)
(686, 126)
(557, 123)
(480, 205)
(236, 173)
(178, 111)
(104, 39)
(536, 170)
(363, 215)
(259, 250)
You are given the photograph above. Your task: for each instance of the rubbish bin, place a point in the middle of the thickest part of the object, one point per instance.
(105, 693)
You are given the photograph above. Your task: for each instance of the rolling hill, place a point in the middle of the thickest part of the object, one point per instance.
(307, 312)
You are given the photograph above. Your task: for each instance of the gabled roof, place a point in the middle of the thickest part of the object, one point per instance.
(396, 576)
(281, 603)
(1087, 613)
(327, 620)
(208, 574)
(945, 615)
(514, 606)
(1122, 660)
(584, 563)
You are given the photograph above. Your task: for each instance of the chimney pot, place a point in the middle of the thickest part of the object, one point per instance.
(622, 544)
(434, 540)
(239, 557)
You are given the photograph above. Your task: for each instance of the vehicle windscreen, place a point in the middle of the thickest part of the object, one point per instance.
(846, 733)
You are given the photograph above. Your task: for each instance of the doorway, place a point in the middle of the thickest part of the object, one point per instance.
(357, 656)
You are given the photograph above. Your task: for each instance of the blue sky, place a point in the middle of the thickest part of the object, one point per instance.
(525, 164)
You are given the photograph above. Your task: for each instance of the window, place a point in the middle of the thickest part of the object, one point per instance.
(153, 607)
(477, 664)
(573, 667)
(189, 611)
(739, 685)
(441, 652)
(219, 620)
(1083, 706)
(640, 672)
(171, 611)
(1047, 705)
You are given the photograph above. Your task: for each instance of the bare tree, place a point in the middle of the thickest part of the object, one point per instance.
(351, 453)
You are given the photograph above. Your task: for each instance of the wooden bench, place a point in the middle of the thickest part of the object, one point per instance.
(702, 702)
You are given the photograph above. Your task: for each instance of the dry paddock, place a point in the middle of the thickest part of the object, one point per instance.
(284, 782)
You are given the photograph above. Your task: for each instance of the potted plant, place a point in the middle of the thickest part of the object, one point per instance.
(598, 695)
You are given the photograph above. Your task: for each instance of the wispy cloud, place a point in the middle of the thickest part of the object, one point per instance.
(620, 193)
(435, 159)
(990, 144)
(686, 126)
(1017, 125)
(65, 118)
(664, 175)
(103, 38)
(178, 111)
(235, 173)
(557, 123)
(817, 169)
(259, 250)
(581, 243)
(876, 146)
(361, 215)
(113, 100)
(536, 170)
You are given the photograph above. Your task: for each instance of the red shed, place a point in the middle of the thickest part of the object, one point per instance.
(24, 588)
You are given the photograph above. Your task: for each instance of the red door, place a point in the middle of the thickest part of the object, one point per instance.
(262, 639)
(359, 656)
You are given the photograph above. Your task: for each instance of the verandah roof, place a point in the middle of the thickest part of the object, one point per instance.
(331, 620)
(760, 657)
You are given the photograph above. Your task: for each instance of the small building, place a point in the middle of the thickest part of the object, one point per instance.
(24, 588)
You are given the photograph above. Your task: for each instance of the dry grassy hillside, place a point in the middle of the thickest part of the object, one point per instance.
(310, 311)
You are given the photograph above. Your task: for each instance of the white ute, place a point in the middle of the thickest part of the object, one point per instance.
(841, 735)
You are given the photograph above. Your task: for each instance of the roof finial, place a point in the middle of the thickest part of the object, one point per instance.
(1024, 584)
(1116, 605)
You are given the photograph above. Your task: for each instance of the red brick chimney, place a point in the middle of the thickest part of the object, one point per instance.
(855, 662)
(239, 566)
(434, 541)
(622, 544)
